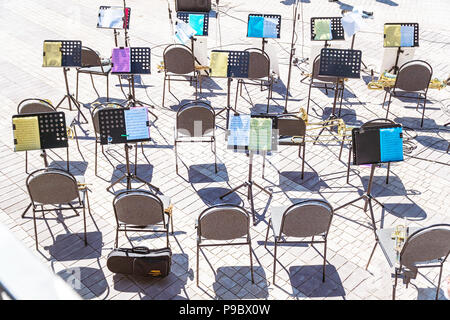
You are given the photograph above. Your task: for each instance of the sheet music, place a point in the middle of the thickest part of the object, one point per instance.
(52, 54)
(255, 27)
(121, 60)
(260, 134)
(197, 22)
(239, 131)
(219, 64)
(322, 29)
(136, 124)
(183, 31)
(407, 36)
(112, 17)
(392, 35)
(391, 144)
(26, 133)
(270, 28)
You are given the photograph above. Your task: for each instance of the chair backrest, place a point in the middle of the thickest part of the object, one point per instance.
(94, 114)
(139, 208)
(52, 186)
(307, 218)
(289, 125)
(259, 64)
(90, 58)
(413, 76)
(34, 105)
(195, 119)
(178, 59)
(316, 69)
(223, 222)
(426, 244)
(377, 122)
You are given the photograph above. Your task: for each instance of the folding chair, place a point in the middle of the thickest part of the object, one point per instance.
(179, 61)
(426, 247)
(195, 122)
(142, 211)
(307, 218)
(223, 222)
(57, 188)
(93, 64)
(258, 71)
(412, 77)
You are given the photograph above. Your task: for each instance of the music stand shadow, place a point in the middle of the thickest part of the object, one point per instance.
(70, 246)
(433, 142)
(429, 294)
(311, 181)
(166, 288)
(238, 281)
(77, 168)
(92, 278)
(306, 281)
(143, 170)
(410, 211)
(380, 188)
(196, 176)
(411, 121)
(211, 196)
(210, 84)
(259, 108)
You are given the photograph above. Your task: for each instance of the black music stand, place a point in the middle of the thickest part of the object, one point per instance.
(70, 57)
(139, 64)
(263, 39)
(395, 68)
(250, 183)
(238, 64)
(52, 135)
(112, 127)
(125, 25)
(367, 149)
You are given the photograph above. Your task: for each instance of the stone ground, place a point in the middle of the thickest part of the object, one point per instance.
(418, 190)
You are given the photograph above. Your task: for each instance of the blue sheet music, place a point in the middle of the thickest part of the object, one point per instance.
(136, 124)
(407, 36)
(197, 21)
(255, 27)
(270, 28)
(239, 131)
(391, 144)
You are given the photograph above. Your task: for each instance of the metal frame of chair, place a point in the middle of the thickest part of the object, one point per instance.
(420, 95)
(223, 236)
(211, 139)
(79, 188)
(277, 238)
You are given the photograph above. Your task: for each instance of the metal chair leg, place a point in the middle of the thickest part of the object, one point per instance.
(324, 260)
(76, 90)
(198, 261)
(274, 260)
(388, 171)
(439, 283)
(394, 287)
(348, 164)
(176, 157)
(423, 112)
(164, 91)
(251, 260)
(215, 156)
(35, 228)
(389, 104)
(267, 233)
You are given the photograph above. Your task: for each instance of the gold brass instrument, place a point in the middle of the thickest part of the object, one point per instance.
(198, 67)
(341, 135)
(387, 80)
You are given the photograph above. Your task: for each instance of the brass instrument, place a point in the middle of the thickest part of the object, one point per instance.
(340, 136)
(198, 67)
(387, 80)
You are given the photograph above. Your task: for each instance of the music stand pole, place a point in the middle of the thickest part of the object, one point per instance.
(128, 175)
(228, 107)
(395, 67)
(70, 97)
(249, 184)
(291, 55)
(131, 99)
(367, 196)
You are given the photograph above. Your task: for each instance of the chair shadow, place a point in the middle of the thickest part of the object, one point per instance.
(69, 247)
(433, 142)
(77, 168)
(310, 181)
(211, 196)
(166, 288)
(196, 173)
(306, 281)
(144, 171)
(227, 277)
(410, 211)
(176, 107)
(259, 108)
(92, 278)
(430, 294)
(429, 124)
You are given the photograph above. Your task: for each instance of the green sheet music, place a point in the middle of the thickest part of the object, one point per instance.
(260, 134)
(322, 29)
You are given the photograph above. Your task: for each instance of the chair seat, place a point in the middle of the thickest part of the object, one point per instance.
(276, 214)
(96, 69)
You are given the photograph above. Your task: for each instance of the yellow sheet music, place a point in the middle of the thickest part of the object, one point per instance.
(52, 54)
(392, 35)
(26, 133)
(219, 64)
(322, 29)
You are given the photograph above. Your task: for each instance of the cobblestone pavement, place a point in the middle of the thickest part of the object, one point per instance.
(418, 190)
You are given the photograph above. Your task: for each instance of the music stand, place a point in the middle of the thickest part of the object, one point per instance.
(40, 131)
(240, 138)
(399, 41)
(137, 60)
(374, 145)
(70, 56)
(260, 26)
(123, 21)
(124, 125)
(237, 67)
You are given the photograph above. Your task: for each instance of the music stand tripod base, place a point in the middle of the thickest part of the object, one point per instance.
(70, 98)
(128, 175)
(249, 184)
